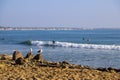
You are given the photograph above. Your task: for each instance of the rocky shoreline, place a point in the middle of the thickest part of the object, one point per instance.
(30, 67)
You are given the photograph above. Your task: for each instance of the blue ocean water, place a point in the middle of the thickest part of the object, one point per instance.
(95, 48)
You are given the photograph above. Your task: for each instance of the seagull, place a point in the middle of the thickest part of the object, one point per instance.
(40, 51)
(31, 50)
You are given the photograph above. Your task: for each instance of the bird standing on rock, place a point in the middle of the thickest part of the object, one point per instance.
(39, 56)
(31, 50)
(40, 51)
(29, 54)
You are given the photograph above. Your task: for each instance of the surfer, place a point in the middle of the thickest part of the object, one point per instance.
(83, 38)
(88, 40)
(53, 42)
(2, 38)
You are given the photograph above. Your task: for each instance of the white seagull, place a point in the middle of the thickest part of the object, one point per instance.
(31, 50)
(40, 51)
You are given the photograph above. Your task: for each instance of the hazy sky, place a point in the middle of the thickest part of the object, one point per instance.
(60, 13)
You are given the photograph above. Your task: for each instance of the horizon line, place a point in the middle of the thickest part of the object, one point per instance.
(47, 28)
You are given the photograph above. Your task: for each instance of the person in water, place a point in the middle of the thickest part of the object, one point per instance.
(53, 42)
(83, 38)
(88, 40)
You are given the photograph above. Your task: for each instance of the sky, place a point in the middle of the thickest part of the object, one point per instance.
(60, 13)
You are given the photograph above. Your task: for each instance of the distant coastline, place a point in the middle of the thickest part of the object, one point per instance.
(49, 28)
(38, 28)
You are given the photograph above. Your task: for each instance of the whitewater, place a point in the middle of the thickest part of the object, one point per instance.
(75, 45)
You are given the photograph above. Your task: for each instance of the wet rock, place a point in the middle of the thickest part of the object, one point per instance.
(102, 69)
(16, 55)
(20, 61)
(75, 66)
(53, 64)
(65, 62)
(88, 67)
(110, 68)
(43, 65)
(38, 57)
(78, 66)
(29, 55)
(117, 70)
(114, 69)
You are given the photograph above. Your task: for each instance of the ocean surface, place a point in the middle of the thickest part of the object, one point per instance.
(95, 48)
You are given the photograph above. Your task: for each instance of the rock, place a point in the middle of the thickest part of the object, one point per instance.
(43, 65)
(16, 55)
(102, 69)
(78, 66)
(20, 61)
(29, 55)
(88, 67)
(65, 62)
(110, 68)
(38, 57)
(75, 66)
(5, 57)
(53, 64)
(117, 70)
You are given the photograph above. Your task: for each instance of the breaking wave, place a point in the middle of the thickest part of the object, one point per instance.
(72, 45)
(28, 42)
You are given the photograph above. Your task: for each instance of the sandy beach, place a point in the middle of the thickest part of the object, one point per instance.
(37, 70)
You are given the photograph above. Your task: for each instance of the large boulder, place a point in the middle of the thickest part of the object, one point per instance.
(38, 57)
(16, 55)
(20, 61)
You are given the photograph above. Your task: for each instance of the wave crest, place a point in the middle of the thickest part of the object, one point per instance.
(75, 45)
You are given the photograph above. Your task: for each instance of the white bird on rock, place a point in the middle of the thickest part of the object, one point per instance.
(40, 51)
(31, 50)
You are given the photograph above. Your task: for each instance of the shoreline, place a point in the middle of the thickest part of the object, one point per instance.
(39, 69)
(53, 28)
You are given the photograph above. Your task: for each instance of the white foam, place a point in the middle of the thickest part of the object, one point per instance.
(75, 45)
